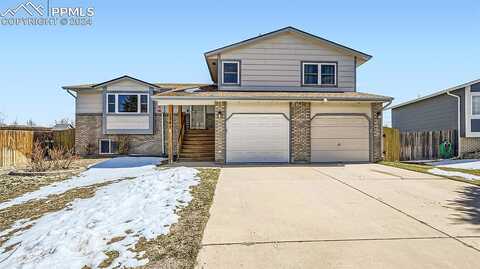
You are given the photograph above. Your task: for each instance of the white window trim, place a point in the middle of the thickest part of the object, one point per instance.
(139, 103)
(109, 146)
(468, 112)
(238, 72)
(319, 81)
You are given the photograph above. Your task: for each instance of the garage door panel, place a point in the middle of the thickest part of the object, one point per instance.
(257, 138)
(340, 132)
(255, 157)
(339, 156)
(340, 144)
(338, 121)
(340, 139)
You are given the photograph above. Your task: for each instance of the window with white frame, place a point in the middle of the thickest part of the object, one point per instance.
(476, 105)
(127, 103)
(106, 146)
(231, 72)
(322, 74)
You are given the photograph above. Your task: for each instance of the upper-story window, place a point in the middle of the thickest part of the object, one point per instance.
(322, 74)
(231, 72)
(127, 103)
(476, 105)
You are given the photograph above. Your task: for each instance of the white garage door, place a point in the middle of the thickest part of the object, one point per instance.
(340, 139)
(257, 138)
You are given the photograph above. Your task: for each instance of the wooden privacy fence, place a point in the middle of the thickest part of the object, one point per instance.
(416, 145)
(64, 139)
(391, 144)
(16, 145)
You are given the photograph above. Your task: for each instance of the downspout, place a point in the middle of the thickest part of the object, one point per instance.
(458, 121)
(381, 127)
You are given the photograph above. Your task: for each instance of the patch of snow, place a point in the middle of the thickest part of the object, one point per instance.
(470, 164)
(79, 234)
(106, 171)
(441, 172)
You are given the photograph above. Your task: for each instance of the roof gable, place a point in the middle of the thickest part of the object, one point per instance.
(289, 29)
(125, 77)
(435, 94)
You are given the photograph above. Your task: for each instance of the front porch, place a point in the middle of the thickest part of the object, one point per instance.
(190, 132)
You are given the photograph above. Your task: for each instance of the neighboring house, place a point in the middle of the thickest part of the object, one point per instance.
(62, 126)
(456, 108)
(283, 97)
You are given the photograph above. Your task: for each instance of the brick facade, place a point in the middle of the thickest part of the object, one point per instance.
(300, 142)
(220, 115)
(376, 132)
(88, 132)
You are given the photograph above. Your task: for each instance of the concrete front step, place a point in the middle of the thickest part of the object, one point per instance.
(197, 154)
(190, 141)
(202, 138)
(203, 159)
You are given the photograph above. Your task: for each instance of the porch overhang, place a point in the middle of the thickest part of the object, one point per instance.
(182, 102)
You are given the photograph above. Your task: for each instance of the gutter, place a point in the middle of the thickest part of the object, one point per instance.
(458, 120)
(269, 98)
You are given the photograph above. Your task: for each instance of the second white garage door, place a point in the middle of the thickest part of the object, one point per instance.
(257, 138)
(340, 139)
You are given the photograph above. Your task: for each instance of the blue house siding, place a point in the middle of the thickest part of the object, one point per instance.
(432, 114)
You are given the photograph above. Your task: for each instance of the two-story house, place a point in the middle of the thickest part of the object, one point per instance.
(283, 97)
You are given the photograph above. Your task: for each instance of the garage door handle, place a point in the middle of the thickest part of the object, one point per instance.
(339, 144)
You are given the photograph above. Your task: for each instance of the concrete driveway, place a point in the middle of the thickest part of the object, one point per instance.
(352, 216)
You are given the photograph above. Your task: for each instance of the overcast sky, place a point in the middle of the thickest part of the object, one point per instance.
(418, 46)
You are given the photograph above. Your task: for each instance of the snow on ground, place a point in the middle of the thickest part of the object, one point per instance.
(461, 164)
(79, 234)
(441, 172)
(110, 170)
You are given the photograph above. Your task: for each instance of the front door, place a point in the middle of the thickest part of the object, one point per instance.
(197, 117)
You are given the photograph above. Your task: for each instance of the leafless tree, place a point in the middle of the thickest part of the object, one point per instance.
(2, 119)
(31, 123)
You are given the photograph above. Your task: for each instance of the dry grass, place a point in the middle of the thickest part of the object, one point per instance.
(37, 208)
(180, 247)
(423, 168)
(14, 186)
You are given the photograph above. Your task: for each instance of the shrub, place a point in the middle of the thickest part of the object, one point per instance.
(90, 149)
(38, 162)
(61, 158)
(123, 143)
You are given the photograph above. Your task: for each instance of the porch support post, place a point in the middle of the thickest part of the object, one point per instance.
(170, 133)
(180, 122)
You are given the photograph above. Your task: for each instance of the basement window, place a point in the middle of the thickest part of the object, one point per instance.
(106, 146)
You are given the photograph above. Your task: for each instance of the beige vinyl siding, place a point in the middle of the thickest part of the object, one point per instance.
(127, 122)
(258, 107)
(127, 85)
(341, 107)
(90, 102)
(277, 62)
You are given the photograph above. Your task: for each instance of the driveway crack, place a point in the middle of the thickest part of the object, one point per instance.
(397, 209)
